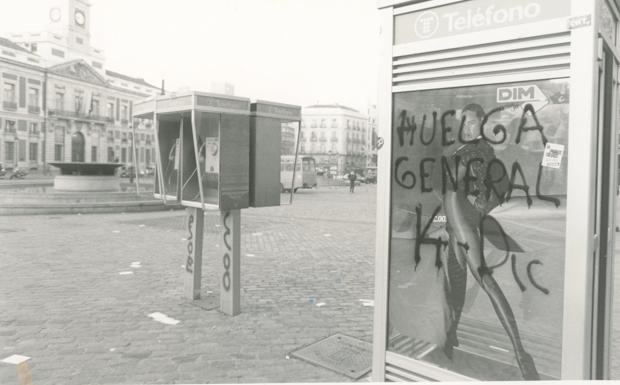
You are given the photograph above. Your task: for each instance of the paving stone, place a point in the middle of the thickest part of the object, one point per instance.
(76, 307)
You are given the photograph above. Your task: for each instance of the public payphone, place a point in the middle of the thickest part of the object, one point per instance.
(212, 157)
(493, 189)
(203, 149)
(269, 122)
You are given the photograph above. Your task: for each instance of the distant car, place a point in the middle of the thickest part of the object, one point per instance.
(18, 173)
(371, 179)
(345, 178)
(2, 171)
(128, 172)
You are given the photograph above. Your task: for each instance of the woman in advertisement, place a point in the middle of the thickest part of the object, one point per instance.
(467, 211)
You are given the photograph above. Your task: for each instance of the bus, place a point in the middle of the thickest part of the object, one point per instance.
(305, 175)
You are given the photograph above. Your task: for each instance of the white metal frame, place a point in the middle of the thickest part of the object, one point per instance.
(613, 47)
(384, 172)
(579, 240)
(605, 46)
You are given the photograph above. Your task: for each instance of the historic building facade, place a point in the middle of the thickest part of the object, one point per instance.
(60, 103)
(336, 136)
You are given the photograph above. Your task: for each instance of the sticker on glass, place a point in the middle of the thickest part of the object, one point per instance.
(553, 155)
(212, 157)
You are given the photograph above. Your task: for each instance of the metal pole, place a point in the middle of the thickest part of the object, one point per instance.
(192, 274)
(295, 162)
(230, 293)
(135, 159)
(199, 165)
(44, 154)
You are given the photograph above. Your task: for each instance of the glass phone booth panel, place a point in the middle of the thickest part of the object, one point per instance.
(207, 135)
(190, 189)
(170, 147)
(478, 214)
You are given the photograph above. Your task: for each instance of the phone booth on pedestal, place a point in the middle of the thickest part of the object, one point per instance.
(495, 188)
(208, 130)
(266, 128)
(211, 158)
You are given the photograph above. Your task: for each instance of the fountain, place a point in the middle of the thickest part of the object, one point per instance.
(79, 188)
(81, 176)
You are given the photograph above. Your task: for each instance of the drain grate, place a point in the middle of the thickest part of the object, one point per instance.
(339, 353)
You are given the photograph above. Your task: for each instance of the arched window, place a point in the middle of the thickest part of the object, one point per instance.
(77, 147)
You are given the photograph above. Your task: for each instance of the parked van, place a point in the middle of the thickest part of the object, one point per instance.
(305, 175)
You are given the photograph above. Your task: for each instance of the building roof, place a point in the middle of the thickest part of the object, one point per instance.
(79, 69)
(9, 44)
(335, 105)
(128, 78)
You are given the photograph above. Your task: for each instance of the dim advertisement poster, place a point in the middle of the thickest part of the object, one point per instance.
(478, 228)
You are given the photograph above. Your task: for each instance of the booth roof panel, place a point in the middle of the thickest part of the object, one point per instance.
(396, 3)
(202, 101)
(276, 110)
(144, 109)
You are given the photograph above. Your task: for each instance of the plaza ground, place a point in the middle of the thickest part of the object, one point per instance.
(305, 269)
(66, 305)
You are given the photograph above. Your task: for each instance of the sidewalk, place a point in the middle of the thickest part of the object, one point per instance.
(66, 305)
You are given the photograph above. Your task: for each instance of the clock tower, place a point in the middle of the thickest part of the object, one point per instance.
(71, 19)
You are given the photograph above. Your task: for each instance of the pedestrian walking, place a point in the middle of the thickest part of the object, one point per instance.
(352, 179)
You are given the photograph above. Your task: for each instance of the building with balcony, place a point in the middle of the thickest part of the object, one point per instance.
(68, 107)
(336, 136)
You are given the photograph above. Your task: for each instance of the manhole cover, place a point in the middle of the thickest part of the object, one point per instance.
(342, 354)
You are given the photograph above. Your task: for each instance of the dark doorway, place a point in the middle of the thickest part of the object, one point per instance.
(77, 147)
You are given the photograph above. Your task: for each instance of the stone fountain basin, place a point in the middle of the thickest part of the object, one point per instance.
(78, 176)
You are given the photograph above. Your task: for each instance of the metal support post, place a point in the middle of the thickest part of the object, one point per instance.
(192, 273)
(230, 293)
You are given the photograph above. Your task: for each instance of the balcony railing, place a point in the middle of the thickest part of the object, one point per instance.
(34, 110)
(9, 106)
(79, 115)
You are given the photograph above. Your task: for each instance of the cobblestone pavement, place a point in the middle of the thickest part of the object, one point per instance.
(65, 304)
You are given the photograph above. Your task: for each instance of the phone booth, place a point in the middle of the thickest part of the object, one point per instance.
(266, 128)
(495, 188)
(208, 130)
(203, 163)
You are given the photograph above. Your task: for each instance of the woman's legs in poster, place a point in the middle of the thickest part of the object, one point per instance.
(465, 241)
(456, 275)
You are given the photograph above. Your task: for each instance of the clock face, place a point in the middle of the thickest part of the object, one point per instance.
(55, 14)
(80, 19)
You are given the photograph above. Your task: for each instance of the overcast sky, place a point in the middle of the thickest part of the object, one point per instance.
(293, 51)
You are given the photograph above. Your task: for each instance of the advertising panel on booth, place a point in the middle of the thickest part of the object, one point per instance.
(477, 228)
